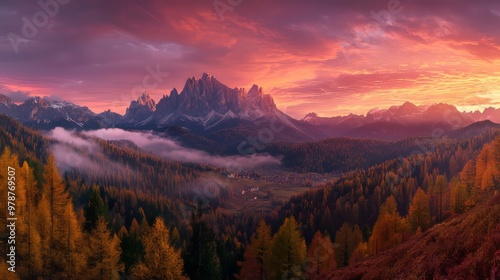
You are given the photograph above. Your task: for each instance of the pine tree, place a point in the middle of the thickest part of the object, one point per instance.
(288, 251)
(257, 254)
(94, 210)
(201, 258)
(320, 256)
(104, 260)
(132, 247)
(420, 214)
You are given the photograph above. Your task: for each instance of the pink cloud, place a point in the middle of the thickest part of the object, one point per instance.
(93, 52)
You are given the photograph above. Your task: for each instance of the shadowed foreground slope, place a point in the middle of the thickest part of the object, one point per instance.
(465, 246)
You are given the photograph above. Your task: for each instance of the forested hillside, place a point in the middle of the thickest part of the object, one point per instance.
(346, 154)
(406, 222)
(145, 220)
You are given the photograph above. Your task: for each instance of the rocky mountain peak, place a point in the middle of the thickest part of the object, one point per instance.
(37, 101)
(141, 109)
(206, 76)
(5, 100)
(146, 100)
(254, 92)
(310, 117)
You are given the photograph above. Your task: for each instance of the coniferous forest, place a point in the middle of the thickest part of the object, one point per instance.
(372, 223)
(249, 140)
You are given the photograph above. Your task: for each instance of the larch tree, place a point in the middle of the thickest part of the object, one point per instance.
(440, 194)
(496, 154)
(288, 252)
(5, 274)
(458, 196)
(420, 213)
(347, 239)
(176, 238)
(41, 222)
(29, 237)
(320, 256)
(257, 254)
(161, 260)
(388, 230)
(104, 260)
(467, 177)
(65, 239)
(360, 253)
(468, 173)
(6, 161)
(483, 162)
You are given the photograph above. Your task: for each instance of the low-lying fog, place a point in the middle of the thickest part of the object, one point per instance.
(150, 143)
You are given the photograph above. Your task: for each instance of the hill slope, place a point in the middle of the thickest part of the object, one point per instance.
(465, 246)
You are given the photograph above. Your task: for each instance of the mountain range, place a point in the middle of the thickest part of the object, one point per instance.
(206, 107)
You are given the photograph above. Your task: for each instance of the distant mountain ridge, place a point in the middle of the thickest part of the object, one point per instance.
(44, 113)
(208, 108)
(411, 113)
(398, 122)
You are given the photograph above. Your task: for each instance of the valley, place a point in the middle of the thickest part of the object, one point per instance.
(349, 187)
(263, 190)
(249, 140)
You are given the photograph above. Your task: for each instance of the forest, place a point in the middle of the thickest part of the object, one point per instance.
(144, 221)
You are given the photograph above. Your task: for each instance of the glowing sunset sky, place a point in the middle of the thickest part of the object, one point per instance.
(328, 57)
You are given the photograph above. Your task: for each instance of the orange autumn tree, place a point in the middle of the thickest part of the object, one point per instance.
(104, 261)
(29, 237)
(496, 154)
(63, 234)
(458, 196)
(439, 195)
(420, 213)
(389, 228)
(347, 239)
(257, 254)
(161, 260)
(288, 252)
(320, 256)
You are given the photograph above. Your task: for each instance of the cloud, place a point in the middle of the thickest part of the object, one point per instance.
(73, 153)
(67, 136)
(91, 52)
(172, 150)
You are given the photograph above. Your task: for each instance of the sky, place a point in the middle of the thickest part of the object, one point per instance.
(324, 56)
